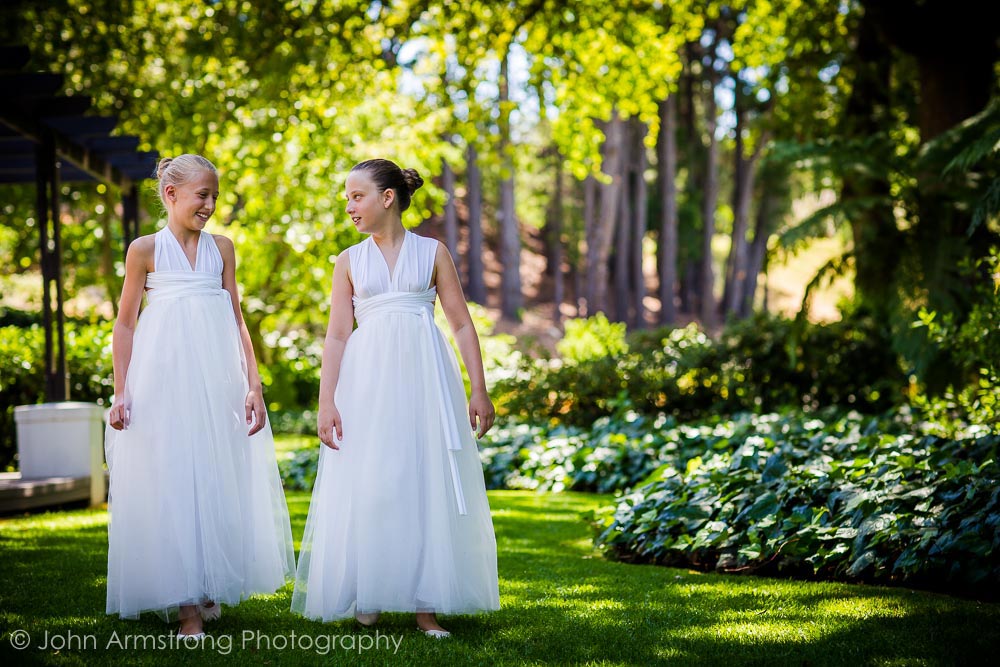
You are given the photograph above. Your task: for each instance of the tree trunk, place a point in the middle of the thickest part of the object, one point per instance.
(583, 292)
(622, 253)
(739, 187)
(554, 233)
(474, 202)
(737, 288)
(667, 250)
(707, 286)
(450, 214)
(599, 245)
(623, 229)
(510, 239)
(639, 216)
(956, 48)
(878, 245)
(766, 223)
(691, 276)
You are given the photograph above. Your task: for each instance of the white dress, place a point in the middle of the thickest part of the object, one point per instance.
(399, 519)
(197, 509)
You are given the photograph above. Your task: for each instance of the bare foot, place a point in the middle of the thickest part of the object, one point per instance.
(191, 623)
(428, 621)
(367, 620)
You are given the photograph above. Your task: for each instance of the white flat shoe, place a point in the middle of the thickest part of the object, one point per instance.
(197, 636)
(212, 613)
(367, 620)
(436, 634)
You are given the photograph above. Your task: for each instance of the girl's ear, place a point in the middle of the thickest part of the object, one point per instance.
(171, 192)
(388, 196)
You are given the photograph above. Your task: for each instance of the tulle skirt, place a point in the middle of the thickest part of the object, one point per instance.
(197, 509)
(384, 531)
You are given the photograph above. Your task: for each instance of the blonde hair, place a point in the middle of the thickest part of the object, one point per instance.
(180, 169)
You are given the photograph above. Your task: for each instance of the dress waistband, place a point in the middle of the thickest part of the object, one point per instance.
(416, 303)
(173, 284)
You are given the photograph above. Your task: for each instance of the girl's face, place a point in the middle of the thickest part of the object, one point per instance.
(193, 203)
(367, 206)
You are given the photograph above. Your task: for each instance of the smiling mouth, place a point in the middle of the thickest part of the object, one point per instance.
(355, 219)
(202, 216)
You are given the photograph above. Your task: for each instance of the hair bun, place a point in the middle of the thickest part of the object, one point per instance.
(412, 179)
(162, 166)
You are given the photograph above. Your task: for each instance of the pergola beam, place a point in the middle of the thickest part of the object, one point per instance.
(46, 139)
(81, 157)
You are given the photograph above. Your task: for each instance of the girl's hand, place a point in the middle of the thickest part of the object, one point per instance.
(118, 416)
(481, 408)
(255, 412)
(330, 427)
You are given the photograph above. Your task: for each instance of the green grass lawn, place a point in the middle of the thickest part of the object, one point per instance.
(561, 604)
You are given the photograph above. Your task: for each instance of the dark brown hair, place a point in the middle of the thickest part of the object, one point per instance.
(386, 175)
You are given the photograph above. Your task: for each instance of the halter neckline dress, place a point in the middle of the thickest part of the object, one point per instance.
(197, 511)
(399, 519)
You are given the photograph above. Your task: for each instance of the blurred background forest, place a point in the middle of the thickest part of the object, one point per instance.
(670, 212)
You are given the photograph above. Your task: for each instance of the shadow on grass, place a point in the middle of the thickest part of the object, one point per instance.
(562, 603)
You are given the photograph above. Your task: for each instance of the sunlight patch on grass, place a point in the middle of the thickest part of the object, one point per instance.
(761, 632)
(862, 608)
(53, 521)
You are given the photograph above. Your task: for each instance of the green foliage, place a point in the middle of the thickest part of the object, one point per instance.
(592, 338)
(497, 349)
(298, 469)
(848, 498)
(610, 456)
(22, 372)
(918, 211)
(290, 373)
(972, 348)
(297, 422)
(761, 364)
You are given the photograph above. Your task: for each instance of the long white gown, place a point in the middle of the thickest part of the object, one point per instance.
(197, 509)
(399, 519)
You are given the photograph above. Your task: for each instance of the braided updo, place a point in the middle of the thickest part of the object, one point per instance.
(180, 169)
(386, 175)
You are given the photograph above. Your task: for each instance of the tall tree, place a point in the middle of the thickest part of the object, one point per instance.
(474, 203)
(599, 243)
(450, 212)
(708, 311)
(553, 230)
(639, 222)
(622, 256)
(745, 167)
(667, 175)
(511, 298)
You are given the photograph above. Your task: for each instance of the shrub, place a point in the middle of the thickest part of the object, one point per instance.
(761, 364)
(298, 470)
(848, 499)
(592, 338)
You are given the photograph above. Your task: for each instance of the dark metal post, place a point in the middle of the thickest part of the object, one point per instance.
(130, 215)
(47, 211)
(61, 372)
